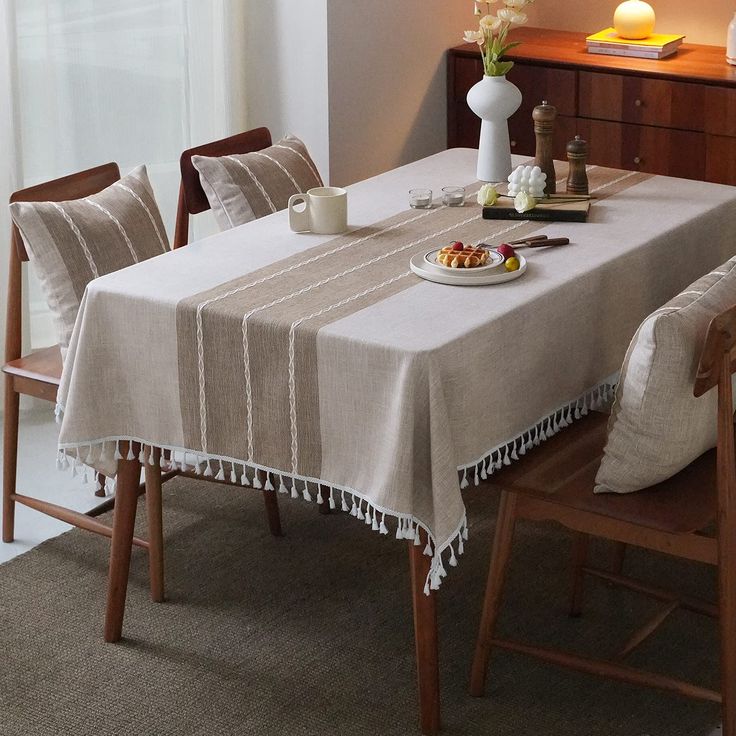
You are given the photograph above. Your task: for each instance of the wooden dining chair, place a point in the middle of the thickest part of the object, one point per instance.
(192, 198)
(555, 483)
(38, 374)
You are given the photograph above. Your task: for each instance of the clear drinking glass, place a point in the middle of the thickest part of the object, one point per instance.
(420, 199)
(453, 196)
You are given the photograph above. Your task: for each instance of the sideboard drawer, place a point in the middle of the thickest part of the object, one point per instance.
(537, 83)
(642, 101)
(654, 150)
(720, 163)
(720, 111)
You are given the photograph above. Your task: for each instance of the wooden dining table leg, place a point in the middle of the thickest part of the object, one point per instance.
(126, 502)
(425, 637)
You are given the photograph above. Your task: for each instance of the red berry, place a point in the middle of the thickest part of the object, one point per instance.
(506, 250)
(457, 245)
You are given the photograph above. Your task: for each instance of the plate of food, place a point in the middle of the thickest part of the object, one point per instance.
(468, 257)
(468, 265)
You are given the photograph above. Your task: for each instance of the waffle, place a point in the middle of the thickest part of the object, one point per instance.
(469, 257)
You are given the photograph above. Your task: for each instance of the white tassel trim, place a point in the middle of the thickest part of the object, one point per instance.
(351, 501)
(508, 452)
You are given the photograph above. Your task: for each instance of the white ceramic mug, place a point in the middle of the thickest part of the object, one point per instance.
(325, 211)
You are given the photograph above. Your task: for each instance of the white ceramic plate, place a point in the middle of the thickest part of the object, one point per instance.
(463, 276)
(495, 259)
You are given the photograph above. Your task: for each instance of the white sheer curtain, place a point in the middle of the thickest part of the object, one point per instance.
(133, 82)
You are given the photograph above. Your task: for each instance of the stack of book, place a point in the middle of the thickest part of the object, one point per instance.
(656, 46)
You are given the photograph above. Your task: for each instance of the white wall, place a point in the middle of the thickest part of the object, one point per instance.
(286, 75)
(387, 74)
(702, 22)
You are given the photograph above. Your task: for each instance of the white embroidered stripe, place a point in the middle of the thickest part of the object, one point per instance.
(82, 242)
(317, 177)
(135, 196)
(283, 168)
(261, 189)
(292, 361)
(258, 282)
(120, 228)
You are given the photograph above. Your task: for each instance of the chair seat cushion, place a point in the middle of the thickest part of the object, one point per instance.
(657, 425)
(70, 243)
(563, 471)
(244, 187)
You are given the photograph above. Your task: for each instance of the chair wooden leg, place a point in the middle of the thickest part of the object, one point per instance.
(425, 637)
(727, 622)
(618, 557)
(500, 553)
(581, 544)
(10, 458)
(271, 502)
(154, 514)
(126, 501)
(100, 492)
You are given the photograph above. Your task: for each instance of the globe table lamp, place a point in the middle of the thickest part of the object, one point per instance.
(634, 19)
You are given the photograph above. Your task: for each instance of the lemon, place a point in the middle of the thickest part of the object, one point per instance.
(512, 264)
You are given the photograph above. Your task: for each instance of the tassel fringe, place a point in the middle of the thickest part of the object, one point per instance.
(107, 451)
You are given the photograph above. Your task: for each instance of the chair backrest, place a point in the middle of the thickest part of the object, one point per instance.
(192, 198)
(715, 368)
(74, 186)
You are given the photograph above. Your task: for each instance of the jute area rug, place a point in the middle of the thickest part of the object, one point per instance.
(312, 634)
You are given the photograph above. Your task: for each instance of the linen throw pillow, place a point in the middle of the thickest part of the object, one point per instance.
(70, 243)
(244, 187)
(657, 427)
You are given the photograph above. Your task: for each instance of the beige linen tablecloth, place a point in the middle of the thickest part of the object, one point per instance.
(326, 362)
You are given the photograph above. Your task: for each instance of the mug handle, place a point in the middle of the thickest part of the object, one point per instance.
(299, 221)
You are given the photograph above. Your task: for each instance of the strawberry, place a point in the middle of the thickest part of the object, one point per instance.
(457, 245)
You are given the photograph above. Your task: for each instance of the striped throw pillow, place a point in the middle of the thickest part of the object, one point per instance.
(244, 187)
(70, 243)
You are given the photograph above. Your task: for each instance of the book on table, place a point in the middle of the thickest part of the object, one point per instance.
(554, 209)
(656, 46)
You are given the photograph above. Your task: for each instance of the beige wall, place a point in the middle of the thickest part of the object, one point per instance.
(387, 81)
(703, 21)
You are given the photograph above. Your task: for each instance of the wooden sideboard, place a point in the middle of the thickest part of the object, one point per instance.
(676, 116)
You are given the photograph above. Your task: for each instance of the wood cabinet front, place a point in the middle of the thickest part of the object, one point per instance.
(675, 117)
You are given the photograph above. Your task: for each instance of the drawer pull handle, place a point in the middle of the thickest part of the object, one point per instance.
(638, 103)
(513, 144)
(637, 160)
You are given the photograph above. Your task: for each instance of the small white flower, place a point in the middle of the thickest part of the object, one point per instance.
(490, 23)
(474, 37)
(509, 15)
(524, 202)
(487, 195)
(516, 4)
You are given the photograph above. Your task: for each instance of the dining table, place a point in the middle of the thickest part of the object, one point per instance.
(321, 368)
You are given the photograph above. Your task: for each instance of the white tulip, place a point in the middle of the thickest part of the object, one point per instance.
(474, 37)
(487, 195)
(524, 202)
(509, 15)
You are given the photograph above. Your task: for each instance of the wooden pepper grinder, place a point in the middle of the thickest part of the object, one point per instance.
(577, 177)
(544, 116)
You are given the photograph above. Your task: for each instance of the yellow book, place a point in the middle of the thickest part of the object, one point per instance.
(655, 41)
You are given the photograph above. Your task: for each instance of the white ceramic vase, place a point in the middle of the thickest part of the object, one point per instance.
(494, 100)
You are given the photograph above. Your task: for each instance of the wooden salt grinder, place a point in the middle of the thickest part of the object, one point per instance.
(544, 116)
(577, 155)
